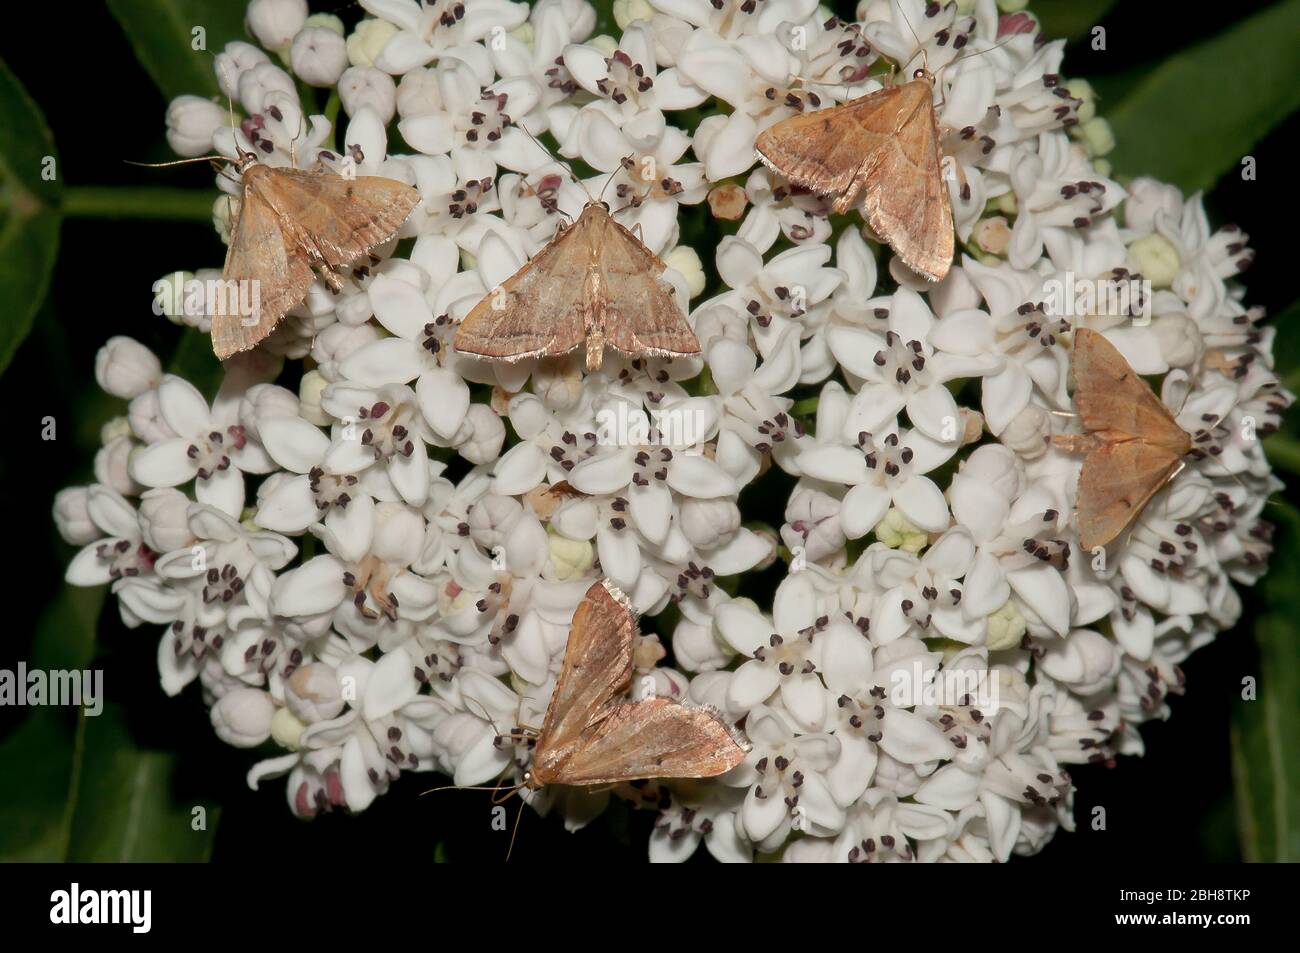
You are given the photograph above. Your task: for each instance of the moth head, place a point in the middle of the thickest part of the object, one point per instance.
(922, 72)
(245, 159)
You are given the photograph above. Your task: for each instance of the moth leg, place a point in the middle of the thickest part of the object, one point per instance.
(964, 193)
(1076, 443)
(332, 278)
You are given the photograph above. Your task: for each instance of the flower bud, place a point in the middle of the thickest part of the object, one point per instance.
(399, 533)
(111, 466)
(242, 717)
(1082, 90)
(686, 260)
(72, 516)
(286, 730)
(1029, 432)
(487, 437)
(629, 11)
(1086, 661)
(1148, 197)
(1156, 258)
(570, 558)
(146, 418)
(126, 368)
(728, 202)
(1006, 628)
(112, 429)
(310, 388)
(265, 400)
(318, 56)
(164, 519)
(558, 384)
(698, 647)
(368, 40)
(705, 522)
(276, 22)
(992, 235)
(897, 532)
(1097, 136)
(1180, 339)
(312, 693)
(362, 86)
(231, 63)
(528, 415)
(191, 121)
(337, 343)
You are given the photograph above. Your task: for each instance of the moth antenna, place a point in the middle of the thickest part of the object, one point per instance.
(230, 102)
(486, 717)
(554, 158)
(164, 165)
(608, 183)
(461, 787)
(515, 832)
(912, 30)
(499, 798)
(973, 53)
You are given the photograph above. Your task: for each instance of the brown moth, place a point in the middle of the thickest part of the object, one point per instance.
(1132, 443)
(881, 149)
(593, 282)
(290, 221)
(593, 734)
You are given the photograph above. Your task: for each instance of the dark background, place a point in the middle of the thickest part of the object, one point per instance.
(1175, 804)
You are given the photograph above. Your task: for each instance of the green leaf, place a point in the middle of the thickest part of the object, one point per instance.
(1201, 111)
(129, 808)
(40, 758)
(605, 23)
(162, 34)
(29, 220)
(1286, 345)
(1265, 760)
(1070, 19)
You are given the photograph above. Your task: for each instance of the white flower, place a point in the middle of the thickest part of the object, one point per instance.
(882, 469)
(206, 447)
(788, 785)
(429, 29)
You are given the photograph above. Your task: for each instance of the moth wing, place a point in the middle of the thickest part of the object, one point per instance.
(595, 675)
(540, 309)
(641, 312)
(1111, 396)
(1117, 480)
(261, 255)
(905, 196)
(337, 218)
(826, 150)
(654, 738)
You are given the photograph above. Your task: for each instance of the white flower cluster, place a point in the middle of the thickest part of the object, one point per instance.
(396, 591)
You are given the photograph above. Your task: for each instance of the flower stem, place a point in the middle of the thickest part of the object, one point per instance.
(144, 202)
